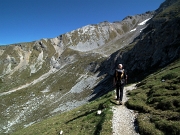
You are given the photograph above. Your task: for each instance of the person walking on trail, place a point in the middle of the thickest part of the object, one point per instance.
(120, 79)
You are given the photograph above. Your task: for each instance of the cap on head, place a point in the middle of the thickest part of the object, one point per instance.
(120, 65)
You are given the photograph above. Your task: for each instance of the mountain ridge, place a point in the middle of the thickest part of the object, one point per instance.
(99, 34)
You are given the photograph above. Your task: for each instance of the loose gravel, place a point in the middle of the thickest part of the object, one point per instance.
(123, 118)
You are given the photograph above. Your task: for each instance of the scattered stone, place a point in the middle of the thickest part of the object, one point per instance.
(124, 118)
(99, 112)
(61, 132)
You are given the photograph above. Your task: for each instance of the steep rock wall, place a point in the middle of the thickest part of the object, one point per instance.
(156, 46)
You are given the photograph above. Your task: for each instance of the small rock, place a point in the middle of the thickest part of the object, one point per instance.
(61, 132)
(163, 80)
(99, 112)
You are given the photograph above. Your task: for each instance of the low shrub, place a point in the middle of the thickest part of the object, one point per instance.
(168, 127)
(157, 99)
(146, 127)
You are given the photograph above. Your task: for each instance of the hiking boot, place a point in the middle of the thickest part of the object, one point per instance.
(117, 101)
(120, 102)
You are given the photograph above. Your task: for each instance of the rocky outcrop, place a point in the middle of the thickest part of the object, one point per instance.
(92, 37)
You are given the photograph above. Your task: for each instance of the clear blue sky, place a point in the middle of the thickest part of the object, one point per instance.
(29, 20)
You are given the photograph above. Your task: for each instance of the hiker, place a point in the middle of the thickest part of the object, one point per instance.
(120, 79)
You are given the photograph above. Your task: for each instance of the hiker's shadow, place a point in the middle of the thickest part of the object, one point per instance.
(114, 101)
(82, 115)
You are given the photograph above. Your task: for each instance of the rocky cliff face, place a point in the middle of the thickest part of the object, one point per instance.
(156, 46)
(159, 44)
(55, 75)
(92, 37)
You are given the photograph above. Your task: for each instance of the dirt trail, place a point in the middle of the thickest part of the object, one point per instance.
(124, 118)
(51, 71)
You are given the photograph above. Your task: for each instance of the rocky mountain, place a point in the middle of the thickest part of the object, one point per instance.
(155, 47)
(42, 78)
(92, 37)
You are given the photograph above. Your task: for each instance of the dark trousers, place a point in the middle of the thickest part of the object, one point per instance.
(119, 91)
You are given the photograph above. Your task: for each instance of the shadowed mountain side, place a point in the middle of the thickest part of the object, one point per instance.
(157, 46)
(106, 69)
(102, 88)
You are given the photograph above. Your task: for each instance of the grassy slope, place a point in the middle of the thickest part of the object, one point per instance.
(170, 12)
(82, 120)
(157, 99)
(58, 84)
(22, 76)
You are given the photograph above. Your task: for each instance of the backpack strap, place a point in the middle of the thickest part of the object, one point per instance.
(122, 75)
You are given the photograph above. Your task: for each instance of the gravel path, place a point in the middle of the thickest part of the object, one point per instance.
(44, 76)
(123, 118)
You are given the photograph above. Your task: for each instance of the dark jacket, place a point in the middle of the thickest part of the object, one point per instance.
(120, 76)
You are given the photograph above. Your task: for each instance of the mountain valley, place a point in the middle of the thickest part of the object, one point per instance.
(42, 79)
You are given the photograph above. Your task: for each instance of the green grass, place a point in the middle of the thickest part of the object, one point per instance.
(157, 102)
(60, 83)
(157, 99)
(171, 12)
(22, 76)
(80, 121)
